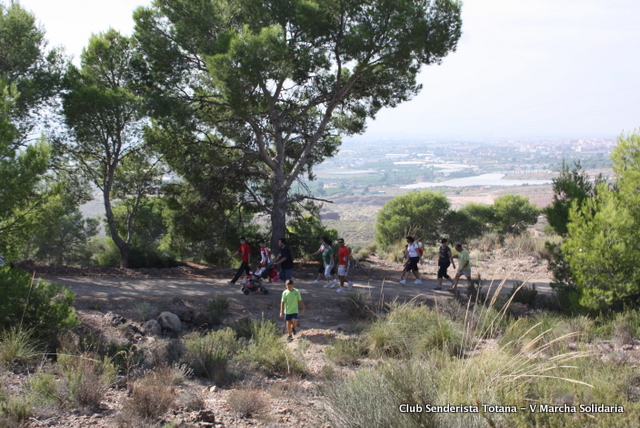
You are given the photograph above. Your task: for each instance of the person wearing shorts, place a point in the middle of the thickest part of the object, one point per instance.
(321, 268)
(464, 266)
(445, 259)
(289, 307)
(343, 265)
(414, 258)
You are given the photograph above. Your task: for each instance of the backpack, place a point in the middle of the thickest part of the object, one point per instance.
(420, 252)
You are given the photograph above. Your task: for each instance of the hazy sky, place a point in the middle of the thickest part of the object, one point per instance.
(523, 68)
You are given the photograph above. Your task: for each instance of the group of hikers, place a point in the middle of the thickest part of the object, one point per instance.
(284, 260)
(340, 259)
(291, 297)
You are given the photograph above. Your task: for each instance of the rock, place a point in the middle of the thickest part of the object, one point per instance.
(170, 321)
(152, 327)
(114, 319)
(206, 416)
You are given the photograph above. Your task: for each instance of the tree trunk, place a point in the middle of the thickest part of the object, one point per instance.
(278, 212)
(123, 246)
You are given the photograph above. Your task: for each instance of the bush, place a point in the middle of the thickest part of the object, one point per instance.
(17, 347)
(413, 330)
(371, 398)
(40, 306)
(346, 352)
(145, 311)
(151, 397)
(268, 351)
(247, 402)
(218, 307)
(208, 355)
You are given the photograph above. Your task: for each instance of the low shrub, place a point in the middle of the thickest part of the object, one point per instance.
(151, 397)
(218, 307)
(17, 347)
(372, 397)
(267, 350)
(145, 311)
(208, 355)
(247, 402)
(346, 352)
(411, 329)
(42, 307)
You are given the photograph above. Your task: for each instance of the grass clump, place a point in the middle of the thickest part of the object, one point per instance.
(412, 329)
(268, 352)
(218, 308)
(145, 311)
(17, 347)
(346, 352)
(372, 397)
(247, 402)
(208, 355)
(151, 397)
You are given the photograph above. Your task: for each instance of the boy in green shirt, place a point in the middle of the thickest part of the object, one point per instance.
(289, 307)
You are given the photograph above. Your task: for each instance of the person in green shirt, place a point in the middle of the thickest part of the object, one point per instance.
(289, 307)
(464, 266)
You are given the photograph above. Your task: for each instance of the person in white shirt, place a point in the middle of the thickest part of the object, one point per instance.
(413, 251)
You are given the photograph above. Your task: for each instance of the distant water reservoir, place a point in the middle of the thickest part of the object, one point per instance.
(478, 180)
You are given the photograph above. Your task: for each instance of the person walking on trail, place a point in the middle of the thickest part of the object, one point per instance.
(245, 252)
(289, 308)
(343, 265)
(464, 266)
(284, 260)
(445, 259)
(323, 247)
(265, 257)
(413, 251)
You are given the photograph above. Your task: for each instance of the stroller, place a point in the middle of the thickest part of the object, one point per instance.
(253, 282)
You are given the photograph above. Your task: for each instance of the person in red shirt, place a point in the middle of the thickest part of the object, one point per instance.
(245, 252)
(343, 265)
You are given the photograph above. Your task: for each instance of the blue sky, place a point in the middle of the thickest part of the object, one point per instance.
(523, 69)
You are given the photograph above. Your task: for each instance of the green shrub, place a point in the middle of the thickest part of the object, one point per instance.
(43, 307)
(16, 408)
(268, 351)
(151, 397)
(208, 355)
(346, 352)
(17, 346)
(372, 397)
(145, 311)
(412, 330)
(218, 307)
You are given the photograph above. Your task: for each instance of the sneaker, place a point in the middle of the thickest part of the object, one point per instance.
(438, 287)
(231, 282)
(350, 283)
(340, 290)
(400, 279)
(315, 281)
(403, 281)
(289, 338)
(332, 285)
(417, 282)
(327, 285)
